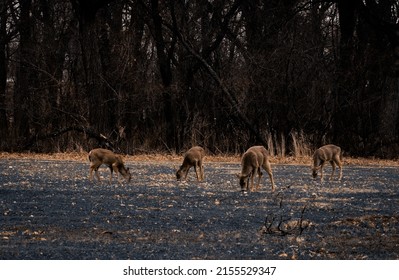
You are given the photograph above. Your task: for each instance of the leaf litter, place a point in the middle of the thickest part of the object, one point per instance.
(49, 210)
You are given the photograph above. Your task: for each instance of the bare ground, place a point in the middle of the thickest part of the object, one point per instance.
(49, 210)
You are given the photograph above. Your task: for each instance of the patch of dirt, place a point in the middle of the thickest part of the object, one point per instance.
(49, 210)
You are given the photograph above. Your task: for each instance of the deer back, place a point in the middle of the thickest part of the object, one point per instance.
(327, 152)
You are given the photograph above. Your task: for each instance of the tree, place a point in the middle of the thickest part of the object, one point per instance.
(366, 88)
(164, 75)
(3, 67)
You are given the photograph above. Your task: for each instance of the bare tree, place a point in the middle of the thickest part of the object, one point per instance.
(164, 75)
(3, 67)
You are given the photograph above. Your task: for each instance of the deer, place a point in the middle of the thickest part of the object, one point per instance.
(328, 153)
(251, 162)
(193, 157)
(99, 156)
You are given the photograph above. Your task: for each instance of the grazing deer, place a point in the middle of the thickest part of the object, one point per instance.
(252, 160)
(112, 160)
(326, 153)
(192, 157)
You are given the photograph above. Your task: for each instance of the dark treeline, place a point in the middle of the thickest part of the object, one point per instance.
(162, 75)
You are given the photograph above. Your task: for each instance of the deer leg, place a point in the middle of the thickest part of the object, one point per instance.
(321, 172)
(91, 173)
(252, 174)
(94, 167)
(339, 163)
(97, 175)
(116, 170)
(259, 177)
(110, 176)
(201, 170)
(268, 169)
(245, 187)
(186, 172)
(196, 169)
(333, 170)
(271, 179)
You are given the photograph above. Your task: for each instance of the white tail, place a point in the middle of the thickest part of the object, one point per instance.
(252, 160)
(328, 153)
(193, 157)
(112, 160)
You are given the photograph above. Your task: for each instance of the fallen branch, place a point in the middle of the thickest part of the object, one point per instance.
(285, 226)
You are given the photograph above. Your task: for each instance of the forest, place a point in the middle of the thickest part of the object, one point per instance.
(141, 76)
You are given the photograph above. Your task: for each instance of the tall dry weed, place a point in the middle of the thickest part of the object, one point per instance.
(300, 144)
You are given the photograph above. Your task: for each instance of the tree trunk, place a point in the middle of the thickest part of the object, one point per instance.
(164, 64)
(3, 74)
(22, 93)
(345, 119)
(100, 102)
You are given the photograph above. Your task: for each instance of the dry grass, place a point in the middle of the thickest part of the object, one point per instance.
(300, 160)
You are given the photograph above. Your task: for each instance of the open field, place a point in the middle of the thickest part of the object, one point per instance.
(49, 210)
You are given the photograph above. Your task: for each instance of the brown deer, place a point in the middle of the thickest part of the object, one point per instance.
(328, 153)
(252, 160)
(112, 160)
(193, 157)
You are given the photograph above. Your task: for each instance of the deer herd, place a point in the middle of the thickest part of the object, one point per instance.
(255, 158)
